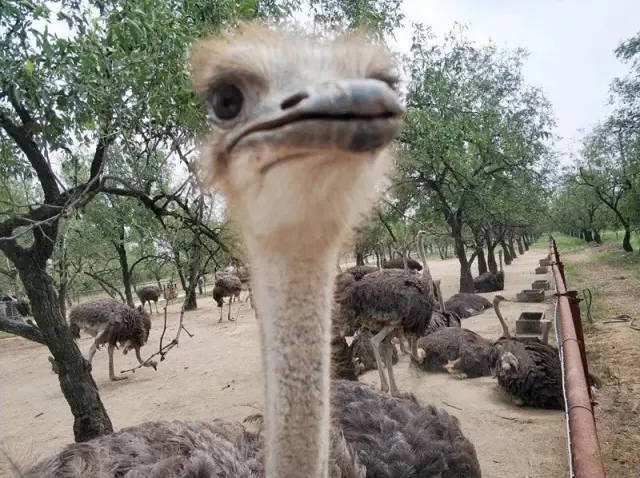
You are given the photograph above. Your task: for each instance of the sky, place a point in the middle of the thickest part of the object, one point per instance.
(570, 43)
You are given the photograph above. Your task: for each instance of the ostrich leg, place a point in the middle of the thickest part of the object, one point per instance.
(94, 348)
(376, 342)
(229, 315)
(417, 354)
(112, 374)
(156, 302)
(403, 349)
(221, 310)
(392, 380)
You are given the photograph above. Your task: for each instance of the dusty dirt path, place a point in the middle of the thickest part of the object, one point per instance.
(217, 373)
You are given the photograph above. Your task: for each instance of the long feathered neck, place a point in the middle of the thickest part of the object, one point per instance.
(503, 323)
(426, 273)
(293, 293)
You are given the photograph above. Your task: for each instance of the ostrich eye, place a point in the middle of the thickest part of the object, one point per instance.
(226, 101)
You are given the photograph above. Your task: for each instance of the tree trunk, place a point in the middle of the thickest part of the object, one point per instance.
(482, 262)
(466, 277)
(78, 387)
(512, 250)
(525, 242)
(626, 240)
(520, 246)
(359, 259)
(491, 258)
(190, 301)
(596, 236)
(505, 250)
(586, 235)
(581, 236)
(377, 258)
(124, 266)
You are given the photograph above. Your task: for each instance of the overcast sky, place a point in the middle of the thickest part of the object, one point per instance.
(570, 42)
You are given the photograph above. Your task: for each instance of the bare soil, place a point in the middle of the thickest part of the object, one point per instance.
(613, 353)
(217, 373)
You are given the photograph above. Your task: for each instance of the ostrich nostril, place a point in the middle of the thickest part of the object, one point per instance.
(293, 100)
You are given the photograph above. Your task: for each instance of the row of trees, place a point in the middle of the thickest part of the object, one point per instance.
(601, 189)
(98, 139)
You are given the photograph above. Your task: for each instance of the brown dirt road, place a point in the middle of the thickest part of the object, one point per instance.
(217, 373)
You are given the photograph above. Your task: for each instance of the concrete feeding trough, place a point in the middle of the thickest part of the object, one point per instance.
(545, 262)
(542, 270)
(541, 284)
(530, 295)
(529, 323)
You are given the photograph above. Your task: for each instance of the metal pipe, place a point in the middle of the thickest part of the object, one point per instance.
(586, 459)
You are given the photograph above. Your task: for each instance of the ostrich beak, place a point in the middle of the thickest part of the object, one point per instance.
(353, 116)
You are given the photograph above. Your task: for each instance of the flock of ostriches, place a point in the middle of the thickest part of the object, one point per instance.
(301, 134)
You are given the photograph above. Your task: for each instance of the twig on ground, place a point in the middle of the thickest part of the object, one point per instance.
(624, 319)
(449, 405)
(164, 349)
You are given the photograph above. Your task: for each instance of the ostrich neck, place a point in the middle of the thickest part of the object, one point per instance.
(503, 323)
(293, 296)
(426, 273)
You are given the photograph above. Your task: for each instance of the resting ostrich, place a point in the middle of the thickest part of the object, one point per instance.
(302, 130)
(398, 263)
(389, 302)
(362, 354)
(490, 281)
(226, 286)
(114, 323)
(466, 305)
(441, 316)
(149, 293)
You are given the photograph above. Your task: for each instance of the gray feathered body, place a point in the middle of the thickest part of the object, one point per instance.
(114, 322)
(450, 343)
(373, 435)
(466, 305)
(534, 377)
(441, 319)
(9, 309)
(226, 286)
(398, 263)
(362, 352)
(389, 297)
(148, 293)
(342, 364)
(342, 282)
(489, 282)
(358, 272)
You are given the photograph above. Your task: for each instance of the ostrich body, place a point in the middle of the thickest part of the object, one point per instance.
(441, 316)
(226, 286)
(9, 308)
(301, 138)
(390, 302)
(490, 281)
(466, 305)
(149, 293)
(113, 323)
(398, 263)
(362, 354)
(342, 282)
(422, 441)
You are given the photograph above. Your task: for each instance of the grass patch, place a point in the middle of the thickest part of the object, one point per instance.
(4, 335)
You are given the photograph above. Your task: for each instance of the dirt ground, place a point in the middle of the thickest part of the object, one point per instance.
(217, 373)
(613, 353)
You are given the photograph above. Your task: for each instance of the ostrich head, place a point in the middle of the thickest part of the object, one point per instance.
(499, 298)
(508, 361)
(300, 140)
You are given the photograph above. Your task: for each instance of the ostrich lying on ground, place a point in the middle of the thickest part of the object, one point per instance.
(149, 293)
(466, 305)
(441, 316)
(362, 355)
(398, 263)
(388, 302)
(490, 281)
(114, 323)
(302, 137)
(226, 286)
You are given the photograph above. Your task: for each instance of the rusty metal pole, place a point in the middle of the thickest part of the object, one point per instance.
(574, 303)
(585, 449)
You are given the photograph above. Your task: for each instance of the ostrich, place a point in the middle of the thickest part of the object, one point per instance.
(388, 302)
(441, 317)
(490, 281)
(10, 309)
(226, 286)
(245, 279)
(465, 305)
(170, 292)
(302, 130)
(398, 263)
(362, 354)
(111, 322)
(149, 293)
(342, 282)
